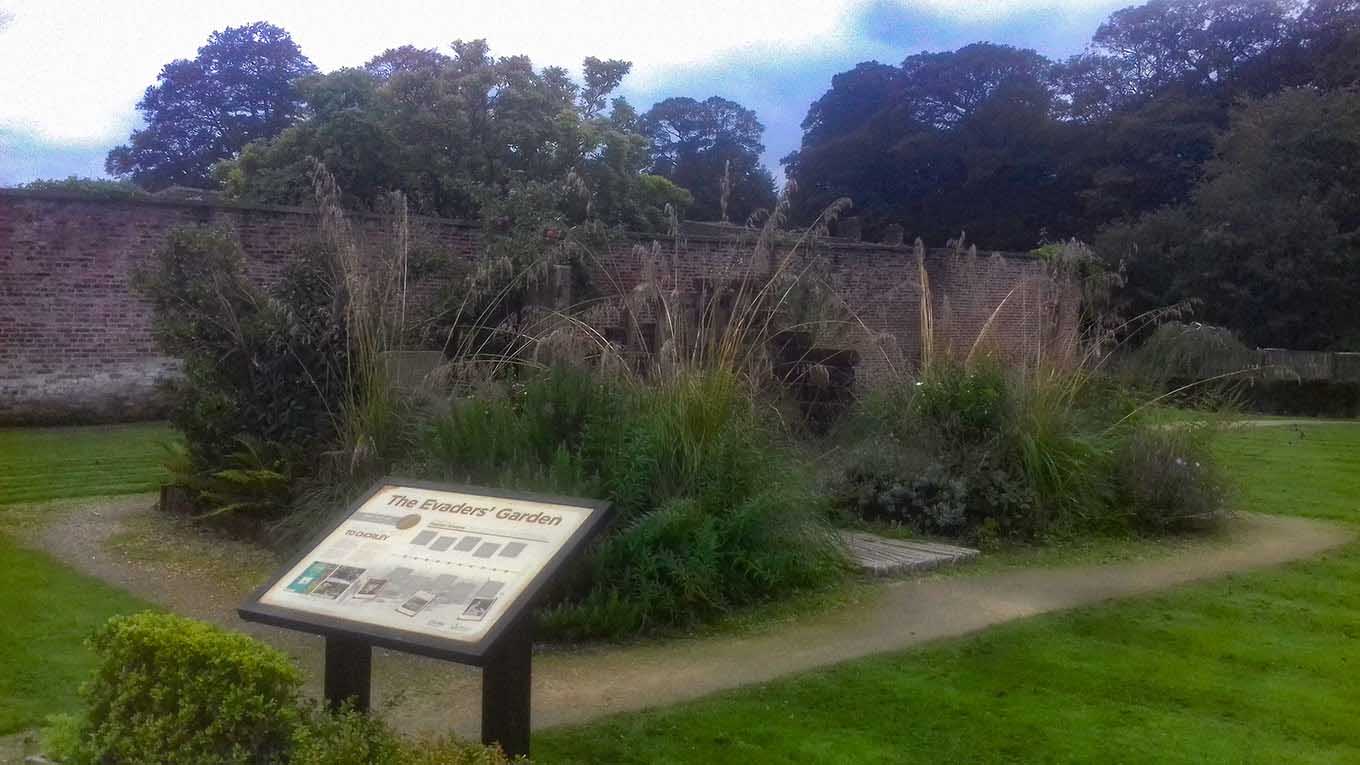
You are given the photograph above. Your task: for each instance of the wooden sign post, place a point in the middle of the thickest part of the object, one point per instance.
(446, 571)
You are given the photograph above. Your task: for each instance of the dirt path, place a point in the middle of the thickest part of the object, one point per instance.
(573, 687)
(1291, 423)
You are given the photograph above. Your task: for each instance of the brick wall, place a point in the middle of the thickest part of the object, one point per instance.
(75, 340)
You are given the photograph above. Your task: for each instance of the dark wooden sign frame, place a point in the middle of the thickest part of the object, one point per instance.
(504, 653)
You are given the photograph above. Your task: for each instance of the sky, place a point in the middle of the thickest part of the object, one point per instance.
(71, 71)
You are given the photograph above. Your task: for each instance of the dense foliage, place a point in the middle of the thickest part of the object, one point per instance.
(93, 187)
(1017, 149)
(978, 451)
(710, 512)
(449, 130)
(169, 689)
(1266, 241)
(1013, 146)
(242, 86)
(175, 691)
(1162, 138)
(287, 408)
(712, 148)
(263, 371)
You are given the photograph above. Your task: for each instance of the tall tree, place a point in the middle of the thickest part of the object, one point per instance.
(241, 87)
(1267, 242)
(946, 142)
(711, 148)
(452, 130)
(1204, 47)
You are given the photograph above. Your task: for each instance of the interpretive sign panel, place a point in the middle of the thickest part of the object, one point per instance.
(433, 569)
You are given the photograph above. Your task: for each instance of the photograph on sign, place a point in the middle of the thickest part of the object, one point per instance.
(440, 563)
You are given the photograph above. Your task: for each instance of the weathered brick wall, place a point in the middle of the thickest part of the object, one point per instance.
(75, 339)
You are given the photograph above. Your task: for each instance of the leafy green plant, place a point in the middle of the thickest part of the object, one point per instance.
(258, 479)
(343, 737)
(710, 515)
(261, 370)
(1063, 454)
(174, 690)
(1168, 479)
(963, 407)
(348, 737)
(98, 188)
(978, 504)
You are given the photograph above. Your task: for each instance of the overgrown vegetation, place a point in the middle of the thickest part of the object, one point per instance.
(173, 690)
(290, 407)
(986, 453)
(263, 371)
(1048, 442)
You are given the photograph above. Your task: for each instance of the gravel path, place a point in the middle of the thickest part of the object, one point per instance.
(422, 695)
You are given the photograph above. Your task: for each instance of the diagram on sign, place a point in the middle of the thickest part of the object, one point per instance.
(434, 562)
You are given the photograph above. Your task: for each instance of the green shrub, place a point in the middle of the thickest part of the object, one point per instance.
(712, 513)
(1168, 479)
(1026, 453)
(173, 690)
(453, 752)
(262, 371)
(978, 504)
(95, 188)
(709, 515)
(1062, 448)
(345, 737)
(350, 738)
(529, 434)
(60, 737)
(962, 406)
(681, 565)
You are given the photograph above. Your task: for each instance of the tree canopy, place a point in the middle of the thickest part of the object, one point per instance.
(445, 129)
(1015, 148)
(1168, 140)
(712, 148)
(241, 87)
(1267, 243)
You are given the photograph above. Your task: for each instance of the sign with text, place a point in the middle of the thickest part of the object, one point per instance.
(427, 568)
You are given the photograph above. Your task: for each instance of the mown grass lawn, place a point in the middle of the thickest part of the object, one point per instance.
(46, 609)
(1262, 667)
(38, 464)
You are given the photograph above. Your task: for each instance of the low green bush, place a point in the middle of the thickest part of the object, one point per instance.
(977, 452)
(962, 407)
(173, 690)
(979, 505)
(529, 434)
(1167, 478)
(347, 737)
(710, 512)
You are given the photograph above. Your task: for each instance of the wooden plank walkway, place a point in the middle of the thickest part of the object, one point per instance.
(880, 556)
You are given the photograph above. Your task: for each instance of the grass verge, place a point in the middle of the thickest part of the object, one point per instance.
(39, 464)
(46, 609)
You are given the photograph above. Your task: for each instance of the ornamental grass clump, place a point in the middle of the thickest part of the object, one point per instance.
(712, 515)
(1047, 444)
